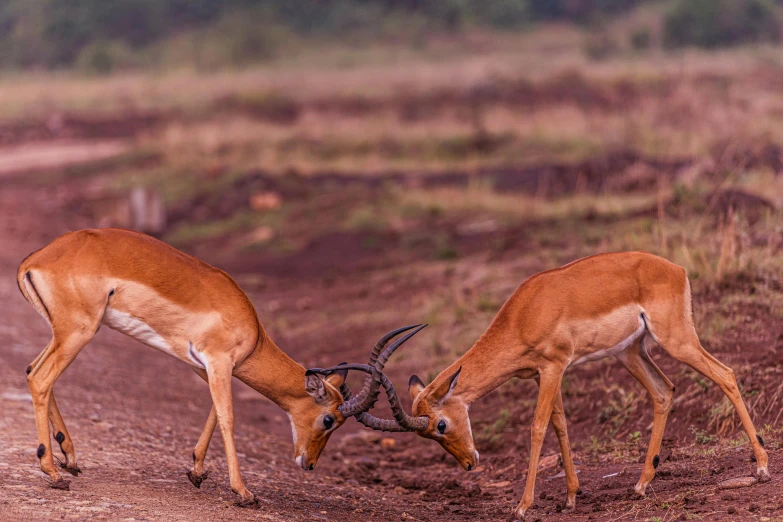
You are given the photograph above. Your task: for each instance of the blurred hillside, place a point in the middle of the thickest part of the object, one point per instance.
(105, 35)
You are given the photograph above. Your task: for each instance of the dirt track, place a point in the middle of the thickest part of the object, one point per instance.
(136, 414)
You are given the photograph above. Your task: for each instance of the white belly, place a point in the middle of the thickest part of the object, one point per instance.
(135, 328)
(615, 349)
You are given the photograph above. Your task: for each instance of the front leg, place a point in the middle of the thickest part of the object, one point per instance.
(560, 425)
(197, 474)
(548, 392)
(219, 373)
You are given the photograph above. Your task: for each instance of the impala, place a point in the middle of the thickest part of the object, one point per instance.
(617, 304)
(182, 306)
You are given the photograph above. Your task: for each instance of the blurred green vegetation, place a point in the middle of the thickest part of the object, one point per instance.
(722, 23)
(100, 36)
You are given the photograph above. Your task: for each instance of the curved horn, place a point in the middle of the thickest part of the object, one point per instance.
(378, 360)
(405, 421)
(363, 417)
(376, 350)
(367, 419)
(370, 391)
(358, 405)
(402, 422)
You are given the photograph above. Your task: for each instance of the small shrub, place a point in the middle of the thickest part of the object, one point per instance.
(702, 437)
(103, 57)
(600, 46)
(721, 23)
(641, 39)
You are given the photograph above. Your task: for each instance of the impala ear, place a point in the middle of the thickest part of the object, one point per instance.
(315, 388)
(337, 378)
(415, 386)
(444, 390)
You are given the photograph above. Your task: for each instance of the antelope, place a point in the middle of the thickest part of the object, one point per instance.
(614, 304)
(186, 308)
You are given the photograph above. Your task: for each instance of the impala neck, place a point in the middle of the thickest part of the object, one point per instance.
(487, 365)
(273, 374)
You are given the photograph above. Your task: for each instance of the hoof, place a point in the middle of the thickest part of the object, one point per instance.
(519, 514)
(61, 484)
(73, 471)
(763, 475)
(248, 503)
(198, 479)
(639, 491)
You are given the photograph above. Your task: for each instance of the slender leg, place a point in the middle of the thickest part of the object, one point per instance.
(661, 390)
(58, 425)
(41, 379)
(197, 474)
(547, 395)
(560, 426)
(690, 352)
(220, 372)
(63, 438)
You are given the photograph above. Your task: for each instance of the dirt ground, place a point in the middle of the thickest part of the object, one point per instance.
(136, 414)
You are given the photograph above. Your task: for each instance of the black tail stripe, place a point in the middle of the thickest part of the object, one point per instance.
(30, 279)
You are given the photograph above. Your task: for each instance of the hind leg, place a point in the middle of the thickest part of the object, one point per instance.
(694, 355)
(63, 438)
(637, 361)
(61, 434)
(680, 340)
(50, 365)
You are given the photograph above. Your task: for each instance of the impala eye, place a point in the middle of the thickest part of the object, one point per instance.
(328, 422)
(442, 426)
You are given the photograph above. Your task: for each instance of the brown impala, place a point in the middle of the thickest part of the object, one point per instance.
(618, 304)
(182, 306)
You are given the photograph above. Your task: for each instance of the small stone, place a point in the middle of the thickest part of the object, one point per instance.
(741, 482)
(388, 443)
(265, 201)
(262, 234)
(500, 484)
(362, 437)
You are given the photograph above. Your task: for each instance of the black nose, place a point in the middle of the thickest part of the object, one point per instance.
(470, 467)
(312, 467)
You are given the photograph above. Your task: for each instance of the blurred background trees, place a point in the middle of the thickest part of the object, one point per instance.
(104, 35)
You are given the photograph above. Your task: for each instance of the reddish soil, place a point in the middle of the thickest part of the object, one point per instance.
(136, 414)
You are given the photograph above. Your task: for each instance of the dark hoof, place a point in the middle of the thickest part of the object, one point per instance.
(198, 479)
(73, 471)
(250, 503)
(61, 484)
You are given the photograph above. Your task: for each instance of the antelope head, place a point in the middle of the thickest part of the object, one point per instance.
(313, 422)
(446, 414)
